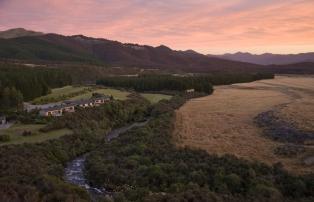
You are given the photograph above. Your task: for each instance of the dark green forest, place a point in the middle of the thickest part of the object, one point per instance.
(42, 49)
(201, 83)
(145, 165)
(18, 83)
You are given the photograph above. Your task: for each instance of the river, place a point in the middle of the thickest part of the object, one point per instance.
(74, 171)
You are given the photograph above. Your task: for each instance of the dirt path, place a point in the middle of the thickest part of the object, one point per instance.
(223, 123)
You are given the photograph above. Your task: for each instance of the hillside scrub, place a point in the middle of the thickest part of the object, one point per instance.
(145, 165)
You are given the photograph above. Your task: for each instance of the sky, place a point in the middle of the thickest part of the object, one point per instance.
(207, 26)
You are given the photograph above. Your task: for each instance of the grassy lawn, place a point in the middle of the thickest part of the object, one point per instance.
(117, 94)
(84, 92)
(59, 94)
(16, 137)
(154, 98)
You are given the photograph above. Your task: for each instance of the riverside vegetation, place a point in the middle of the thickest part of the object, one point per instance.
(145, 165)
(34, 172)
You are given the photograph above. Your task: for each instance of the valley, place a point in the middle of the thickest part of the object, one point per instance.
(90, 119)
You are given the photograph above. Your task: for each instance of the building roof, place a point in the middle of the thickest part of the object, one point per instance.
(70, 103)
(87, 101)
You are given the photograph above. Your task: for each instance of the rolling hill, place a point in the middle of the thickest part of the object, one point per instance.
(18, 32)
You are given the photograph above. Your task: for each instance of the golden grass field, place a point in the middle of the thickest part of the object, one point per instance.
(223, 123)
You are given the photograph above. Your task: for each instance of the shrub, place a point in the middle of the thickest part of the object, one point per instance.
(27, 133)
(5, 138)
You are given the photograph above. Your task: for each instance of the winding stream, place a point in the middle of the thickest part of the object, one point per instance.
(74, 171)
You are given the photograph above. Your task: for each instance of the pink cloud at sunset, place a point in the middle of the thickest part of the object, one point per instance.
(207, 26)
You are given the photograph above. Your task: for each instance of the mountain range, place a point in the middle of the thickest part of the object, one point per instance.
(268, 58)
(21, 44)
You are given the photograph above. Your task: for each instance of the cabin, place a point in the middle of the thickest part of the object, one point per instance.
(68, 108)
(84, 103)
(52, 111)
(96, 101)
(3, 120)
(101, 100)
(190, 90)
(58, 110)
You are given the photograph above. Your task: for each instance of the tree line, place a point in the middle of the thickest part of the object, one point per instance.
(18, 83)
(200, 83)
(159, 83)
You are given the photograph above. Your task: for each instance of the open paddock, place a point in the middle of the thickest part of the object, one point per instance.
(223, 123)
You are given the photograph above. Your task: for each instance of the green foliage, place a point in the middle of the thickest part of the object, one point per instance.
(10, 99)
(4, 138)
(159, 83)
(31, 82)
(100, 118)
(144, 162)
(167, 82)
(34, 172)
(40, 49)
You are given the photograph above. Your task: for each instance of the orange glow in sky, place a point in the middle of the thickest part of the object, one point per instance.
(207, 26)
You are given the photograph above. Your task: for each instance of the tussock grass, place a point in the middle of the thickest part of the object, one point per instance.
(223, 123)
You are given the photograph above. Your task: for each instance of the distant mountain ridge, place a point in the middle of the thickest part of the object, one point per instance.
(268, 58)
(18, 32)
(79, 48)
(55, 48)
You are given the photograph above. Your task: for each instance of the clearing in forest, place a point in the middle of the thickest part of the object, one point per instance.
(155, 98)
(18, 134)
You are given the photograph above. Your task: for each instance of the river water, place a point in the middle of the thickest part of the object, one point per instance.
(74, 171)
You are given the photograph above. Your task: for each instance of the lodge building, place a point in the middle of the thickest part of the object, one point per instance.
(70, 106)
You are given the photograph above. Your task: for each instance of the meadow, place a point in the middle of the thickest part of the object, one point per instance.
(117, 94)
(86, 92)
(155, 98)
(59, 94)
(17, 137)
(223, 123)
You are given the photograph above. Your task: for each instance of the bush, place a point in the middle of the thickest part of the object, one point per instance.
(5, 138)
(27, 133)
(146, 165)
(262, 191)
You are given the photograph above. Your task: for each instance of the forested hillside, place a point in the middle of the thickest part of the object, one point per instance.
(32, 81)
(43, 48)
(58, 48)
(18, 83)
